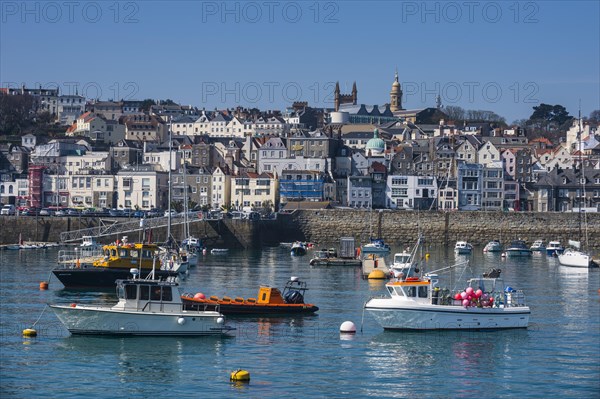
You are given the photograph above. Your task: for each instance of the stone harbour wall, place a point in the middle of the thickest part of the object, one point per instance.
(443, 228)
(326, 227)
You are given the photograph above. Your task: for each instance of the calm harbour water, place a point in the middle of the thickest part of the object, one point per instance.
(557, 356)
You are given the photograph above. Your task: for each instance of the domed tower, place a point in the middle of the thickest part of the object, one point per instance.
(375, 146)
(396, 95)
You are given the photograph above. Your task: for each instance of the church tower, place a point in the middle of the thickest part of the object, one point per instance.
(354, 94)
(396, 95)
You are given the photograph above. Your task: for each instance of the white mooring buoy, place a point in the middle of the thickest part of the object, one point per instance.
(348, 327)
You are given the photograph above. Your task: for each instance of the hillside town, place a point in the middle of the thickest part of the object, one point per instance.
(116, 155)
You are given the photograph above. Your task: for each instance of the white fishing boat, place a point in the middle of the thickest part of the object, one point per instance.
(554, 248)
(419, 303)
(538, 246)
(377, 246)
(219, 251)
(493, 246)
(405, 262)
(298, 249)
(144, 307)
(463, 248)
(517, 248)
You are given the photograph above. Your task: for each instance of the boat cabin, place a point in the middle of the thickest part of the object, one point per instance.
(148, 296)
(414, 289)
(124, 255)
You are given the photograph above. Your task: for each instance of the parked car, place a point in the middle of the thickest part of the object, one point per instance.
(115, 213)
(46, 212)
(60, 212)
(8, 209)
(173, 213)
(139, 214)
(152, 213)
(72, 212)
(31, 211)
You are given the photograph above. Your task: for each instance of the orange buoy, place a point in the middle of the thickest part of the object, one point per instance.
(73, 305)
(44, 285)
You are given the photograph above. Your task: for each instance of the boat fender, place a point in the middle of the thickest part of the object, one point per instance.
(375, 263)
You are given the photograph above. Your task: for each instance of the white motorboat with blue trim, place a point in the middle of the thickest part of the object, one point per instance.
(418, 303)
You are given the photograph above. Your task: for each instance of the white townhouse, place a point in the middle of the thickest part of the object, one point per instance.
(238, 128)
(410, 192)
(221, 188)
(141, 187)
(96, 161)
(161, 159)
(488, 153)
(183, 125)
(201, 125)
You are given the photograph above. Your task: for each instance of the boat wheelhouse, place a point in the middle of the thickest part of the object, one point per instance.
(538, 246)
(554, 248)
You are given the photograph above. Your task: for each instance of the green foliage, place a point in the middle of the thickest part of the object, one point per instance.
(545, 113)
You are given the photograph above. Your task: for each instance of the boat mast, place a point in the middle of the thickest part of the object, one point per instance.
(582, 174)
(169, 185)
(186, 226)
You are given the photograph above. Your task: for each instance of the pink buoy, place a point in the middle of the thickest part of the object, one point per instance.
(469, 290)
(478, 293)
(465, 302)
(199, 296)
(463, 295)
(457, 296)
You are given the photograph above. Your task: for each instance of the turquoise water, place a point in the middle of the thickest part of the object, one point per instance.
(299, 357)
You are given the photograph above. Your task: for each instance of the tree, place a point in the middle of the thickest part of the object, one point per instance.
(547, 115)
(147, 103)
(595, 116)
(455, 113)
(16, 112)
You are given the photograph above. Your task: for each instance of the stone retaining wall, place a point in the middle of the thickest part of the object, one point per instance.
(327, 226)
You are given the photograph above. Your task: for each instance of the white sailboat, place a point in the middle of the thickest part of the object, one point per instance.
(172, 258)
(190, 243)
(574, 256)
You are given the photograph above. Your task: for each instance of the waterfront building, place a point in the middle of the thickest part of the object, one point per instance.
(251, 191)
(411, 192)
(360, 189)
(469, 185)
(221, 188)
(145, 186)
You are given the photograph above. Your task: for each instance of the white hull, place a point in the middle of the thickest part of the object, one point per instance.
(574, 258)
(105, 321)
(444, 317)
(462, 251)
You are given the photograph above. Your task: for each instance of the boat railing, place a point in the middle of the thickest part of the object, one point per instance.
(76, 258)
(515, 299)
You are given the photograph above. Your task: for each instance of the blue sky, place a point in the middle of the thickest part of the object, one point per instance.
(501, 56)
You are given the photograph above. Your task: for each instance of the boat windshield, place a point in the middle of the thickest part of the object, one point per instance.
(402, 258)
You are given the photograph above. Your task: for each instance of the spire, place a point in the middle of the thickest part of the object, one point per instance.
(354, 87)
(337, 87)
(396, 77)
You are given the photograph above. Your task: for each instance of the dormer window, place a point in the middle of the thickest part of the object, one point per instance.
(564, 180)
